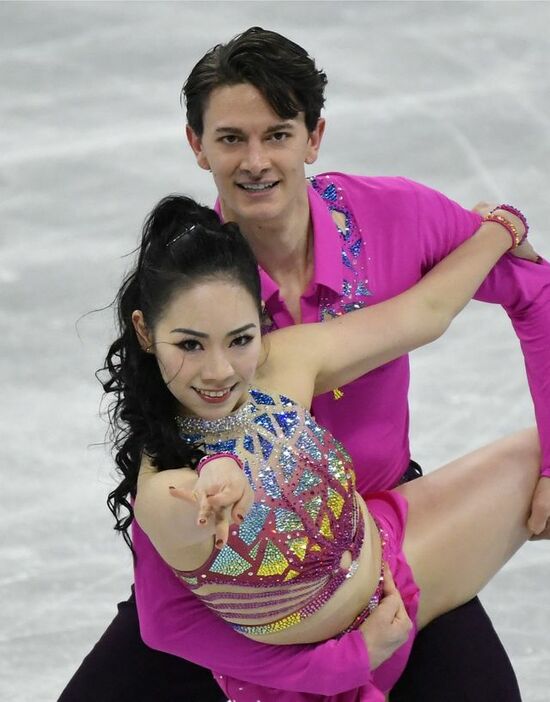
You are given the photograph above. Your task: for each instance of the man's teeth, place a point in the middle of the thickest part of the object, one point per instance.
(257, 186)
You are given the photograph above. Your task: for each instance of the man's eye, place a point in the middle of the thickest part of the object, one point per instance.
(280, 136)
(189, 345)
(242, 340)
(229, 139)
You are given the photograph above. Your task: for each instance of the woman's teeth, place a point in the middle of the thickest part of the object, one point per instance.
(212, 393)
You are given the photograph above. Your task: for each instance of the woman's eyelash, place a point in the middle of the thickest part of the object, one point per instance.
(194, 345)
(242, 340)
(189, 345)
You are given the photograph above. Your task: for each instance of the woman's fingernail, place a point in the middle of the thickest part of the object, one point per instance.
(240, 516)
(202, 521)
(171, 487)
(219, 543)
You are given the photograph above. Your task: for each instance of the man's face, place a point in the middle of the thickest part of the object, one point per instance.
(256, 157)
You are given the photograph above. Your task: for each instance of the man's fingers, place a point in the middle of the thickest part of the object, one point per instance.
(540, 509)
(543, 535)
(535, 524)
(396, 604)
(539, 525)
(388, 607)
(389, 583)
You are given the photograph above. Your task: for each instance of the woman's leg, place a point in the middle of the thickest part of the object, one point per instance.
(467, 519)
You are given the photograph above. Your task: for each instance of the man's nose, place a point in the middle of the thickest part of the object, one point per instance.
(256, 160)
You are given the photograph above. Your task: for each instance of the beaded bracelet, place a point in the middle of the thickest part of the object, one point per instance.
(206, 459)
(514, 234)
(519, 214)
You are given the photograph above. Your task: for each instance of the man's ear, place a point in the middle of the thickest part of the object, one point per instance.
(195, 142)
(142, 332)
(314, 141)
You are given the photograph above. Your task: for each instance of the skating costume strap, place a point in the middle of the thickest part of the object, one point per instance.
(283, 562)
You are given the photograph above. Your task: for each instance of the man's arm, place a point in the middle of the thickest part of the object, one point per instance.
(522, 288)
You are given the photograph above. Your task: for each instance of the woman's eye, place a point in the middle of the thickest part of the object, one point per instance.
(189, 345)
(242, 340)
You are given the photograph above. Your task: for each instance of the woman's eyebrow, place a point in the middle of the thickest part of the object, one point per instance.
(202, 335)
(183, 330)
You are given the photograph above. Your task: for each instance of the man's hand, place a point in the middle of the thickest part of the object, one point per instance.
(223, 496)
(389, 626)
(539, 520)
(525, 251)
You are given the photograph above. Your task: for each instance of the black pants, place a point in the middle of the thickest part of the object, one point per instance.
(456, 658)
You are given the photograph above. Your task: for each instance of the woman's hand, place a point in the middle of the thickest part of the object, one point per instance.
(223, 496)
(389, 626)
(526, 250)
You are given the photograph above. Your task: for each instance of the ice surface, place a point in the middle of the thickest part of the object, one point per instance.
(452, 94)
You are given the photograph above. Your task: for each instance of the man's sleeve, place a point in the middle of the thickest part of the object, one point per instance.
(173, 620)
(521, 287)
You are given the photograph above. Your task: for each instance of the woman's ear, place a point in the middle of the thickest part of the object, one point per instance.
(142, 332)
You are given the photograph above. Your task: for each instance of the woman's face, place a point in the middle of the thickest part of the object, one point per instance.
(207, 344)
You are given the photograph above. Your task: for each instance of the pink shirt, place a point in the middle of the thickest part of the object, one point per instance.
(395, 231)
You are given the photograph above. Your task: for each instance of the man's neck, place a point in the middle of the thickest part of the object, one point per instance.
(284, 253)
(284, 246)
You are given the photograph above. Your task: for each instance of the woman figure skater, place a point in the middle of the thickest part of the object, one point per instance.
(263, 523)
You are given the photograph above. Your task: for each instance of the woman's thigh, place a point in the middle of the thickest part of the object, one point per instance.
(467, 519)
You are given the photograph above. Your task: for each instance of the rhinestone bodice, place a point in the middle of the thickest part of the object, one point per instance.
(286, 554)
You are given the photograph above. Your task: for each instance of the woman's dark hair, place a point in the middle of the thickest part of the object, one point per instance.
(280, 69)
(183, 243)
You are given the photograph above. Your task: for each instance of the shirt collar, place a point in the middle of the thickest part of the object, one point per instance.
(327, 249)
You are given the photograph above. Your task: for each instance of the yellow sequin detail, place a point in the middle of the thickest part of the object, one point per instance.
(229, 562)
(325, 528)
(337, 394)
(337, 469)
(273, 563)
(291, 574)
(299, 547)
(335, 502)
(315, 547)
(279, 625)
